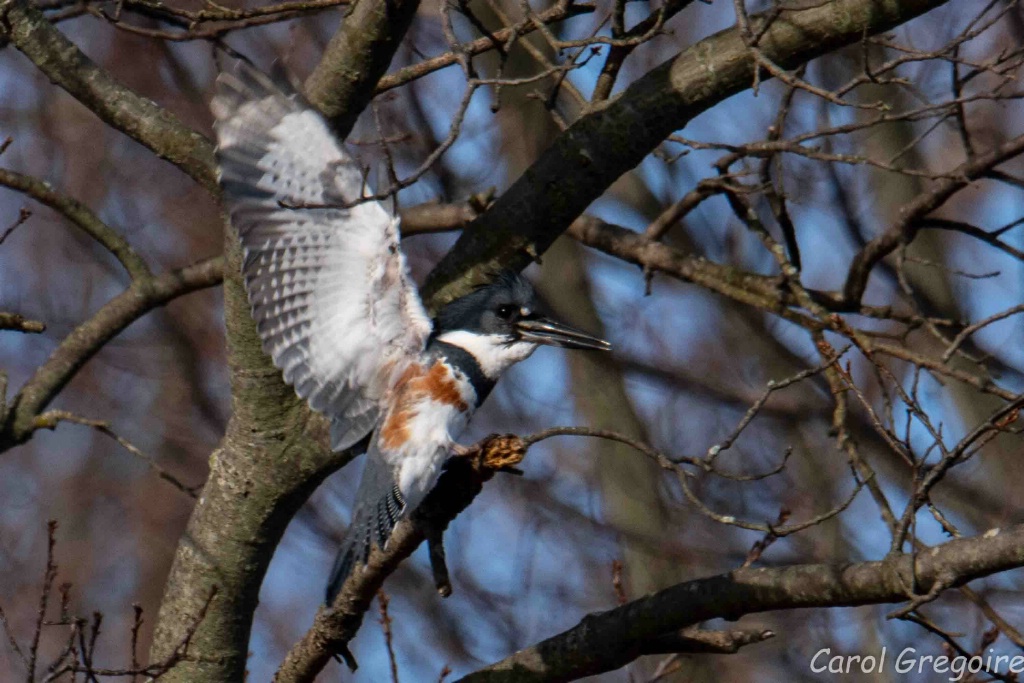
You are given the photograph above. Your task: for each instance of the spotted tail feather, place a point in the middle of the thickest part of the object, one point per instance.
(379, 507)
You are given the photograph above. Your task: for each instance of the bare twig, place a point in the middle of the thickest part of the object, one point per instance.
(44, 599)
(385, 623)
(50, 420)
(23, 215)
(141, 297)
(13, 321)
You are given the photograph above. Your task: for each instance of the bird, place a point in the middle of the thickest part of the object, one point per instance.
(338, 313)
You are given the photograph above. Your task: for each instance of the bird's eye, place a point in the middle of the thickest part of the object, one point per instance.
(506, 311)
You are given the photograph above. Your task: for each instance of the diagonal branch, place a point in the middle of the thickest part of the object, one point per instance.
(358, 55)
(609, 640)
(143, 120)
(615, 137)
(333, 628)
(82, 216)
(140, 298)
(913, 214)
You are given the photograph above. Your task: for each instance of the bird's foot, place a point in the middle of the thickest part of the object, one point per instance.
(497, 452)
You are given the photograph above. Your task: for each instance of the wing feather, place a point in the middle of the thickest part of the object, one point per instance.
(329, 290)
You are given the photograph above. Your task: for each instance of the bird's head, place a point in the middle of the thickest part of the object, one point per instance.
(501, 324)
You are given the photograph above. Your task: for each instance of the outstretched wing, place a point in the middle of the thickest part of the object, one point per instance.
(329, 290)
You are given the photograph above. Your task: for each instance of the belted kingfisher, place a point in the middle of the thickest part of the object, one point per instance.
(338, 314)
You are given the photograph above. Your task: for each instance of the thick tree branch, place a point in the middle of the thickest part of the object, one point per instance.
(358, 55)
(609, 640)
(272, 457)
(333, 628)
(275, 451)
(615, 137)
(141, 119)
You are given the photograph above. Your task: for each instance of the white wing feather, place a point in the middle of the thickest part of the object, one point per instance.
(329, 289)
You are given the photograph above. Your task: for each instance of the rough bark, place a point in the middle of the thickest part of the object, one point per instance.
(272, 457)
(275, 451)
(342, 84)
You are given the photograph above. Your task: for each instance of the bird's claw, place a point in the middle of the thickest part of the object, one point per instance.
(497, 452)
(502, 452)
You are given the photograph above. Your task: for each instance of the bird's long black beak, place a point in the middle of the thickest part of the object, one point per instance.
(552, 333)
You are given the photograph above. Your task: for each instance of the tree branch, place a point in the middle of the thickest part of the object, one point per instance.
(564, 9)
(333, 628)
(275, 451)
(764, 292)
(616, 136)
(913, 214)
(609, 640)
(82, 216)
(273, 455)
(358, 55)
(141, 119)
(14, 321)
(83, 342)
